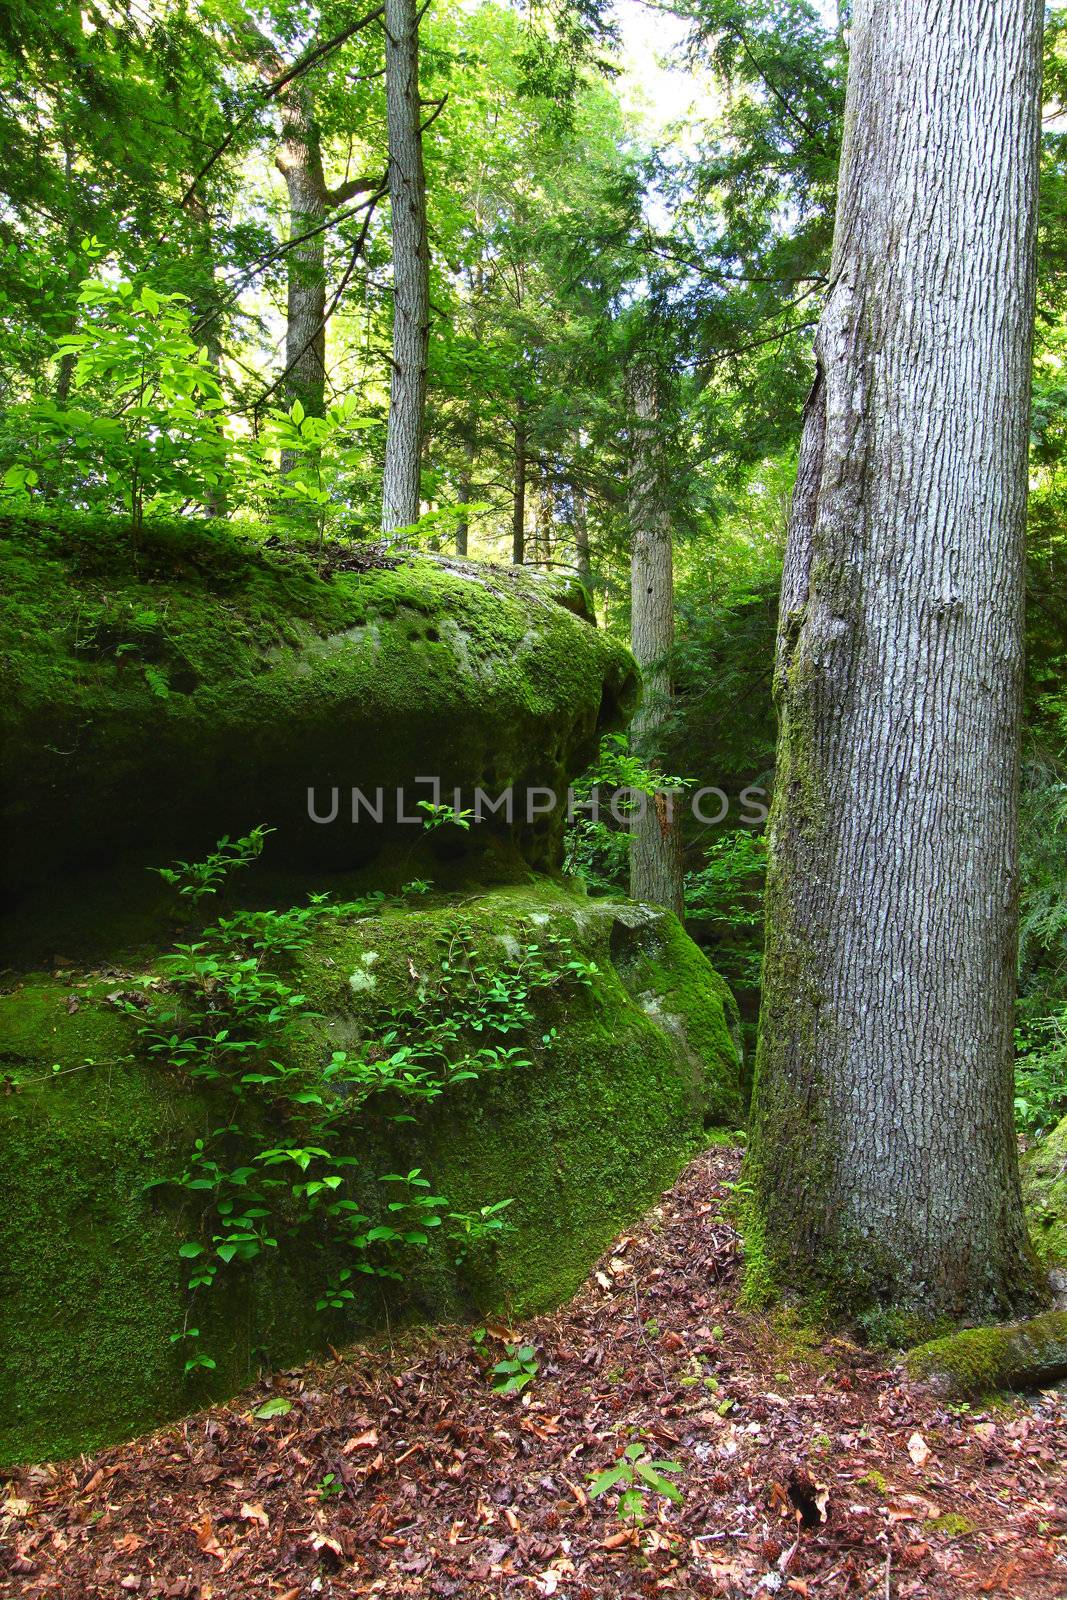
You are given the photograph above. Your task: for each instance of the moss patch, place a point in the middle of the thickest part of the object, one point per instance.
(978, 1360)
(951, 1524)
(162, 689)
(582, 1138)
(1044, 1172)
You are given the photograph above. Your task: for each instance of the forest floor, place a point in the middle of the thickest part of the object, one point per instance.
(807, 1468)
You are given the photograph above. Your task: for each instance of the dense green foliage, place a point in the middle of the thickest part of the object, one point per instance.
(318, 1067)
(147, 240)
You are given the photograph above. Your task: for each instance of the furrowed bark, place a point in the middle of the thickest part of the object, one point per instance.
(411, 268)
(656, 850)
(299, 160)
(883, 1160)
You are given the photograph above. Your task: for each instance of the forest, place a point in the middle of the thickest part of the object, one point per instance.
(533, 724)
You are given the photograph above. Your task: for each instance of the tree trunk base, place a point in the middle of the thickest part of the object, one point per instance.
(1016, 1355)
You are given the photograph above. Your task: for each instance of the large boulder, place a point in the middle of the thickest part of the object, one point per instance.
(164, 687)
(625, 1068)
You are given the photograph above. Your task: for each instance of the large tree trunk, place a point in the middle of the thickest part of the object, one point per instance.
(883, 1160)
(411, 268)
(656, 850)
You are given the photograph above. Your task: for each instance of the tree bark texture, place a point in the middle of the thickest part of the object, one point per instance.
(466, 487)
(582, 554)
(411, 268)
(883, 1159)
(299, 160)
(518, 510)
(656, 849)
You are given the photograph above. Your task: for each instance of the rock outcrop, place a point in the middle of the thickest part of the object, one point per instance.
(163, 691)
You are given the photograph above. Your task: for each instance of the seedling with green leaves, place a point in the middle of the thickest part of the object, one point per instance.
(637, 1474)
(519, 1368)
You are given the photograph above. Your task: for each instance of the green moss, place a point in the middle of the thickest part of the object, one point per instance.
(674, 981)
(978, 1360)
(952, 1524)
(160, 690)
(1044, 1173)
(90, 1284)
(582, 1138)
(603, 1118)
(877, 1481)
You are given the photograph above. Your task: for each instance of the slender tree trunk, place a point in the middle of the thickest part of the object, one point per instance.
(411, 268)
(466, 485)
(300, 162)
(581, 545)
(883, 1159)
(656, 850)
(518, 516)
(544, 517)
(65, 374)
(200, 263)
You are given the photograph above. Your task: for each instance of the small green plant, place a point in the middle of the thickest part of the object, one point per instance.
(197, 1361)
(597, 840)
(329, 1487)
(516, 1371)
(144, 429)
(227, 1016)
(1041, 1073)
(196, 879)
(146, 423)
(636, 1473)
(440, 816)
(473, 1228)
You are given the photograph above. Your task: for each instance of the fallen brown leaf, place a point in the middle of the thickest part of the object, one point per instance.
(361, 1441)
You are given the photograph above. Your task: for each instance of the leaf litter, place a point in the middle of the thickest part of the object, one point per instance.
(807, 1468)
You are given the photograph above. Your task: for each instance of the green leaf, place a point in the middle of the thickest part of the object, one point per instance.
(277, 1407)
(607, 1480)
(656, 1481)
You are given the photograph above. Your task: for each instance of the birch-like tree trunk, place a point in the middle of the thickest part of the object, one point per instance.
(883, 1159)
(411, 267)
(656, 850)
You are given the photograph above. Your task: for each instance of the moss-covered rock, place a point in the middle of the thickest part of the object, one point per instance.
(1014, 1355)
(625, 1070)
(1044, 1170)
(163, 688)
